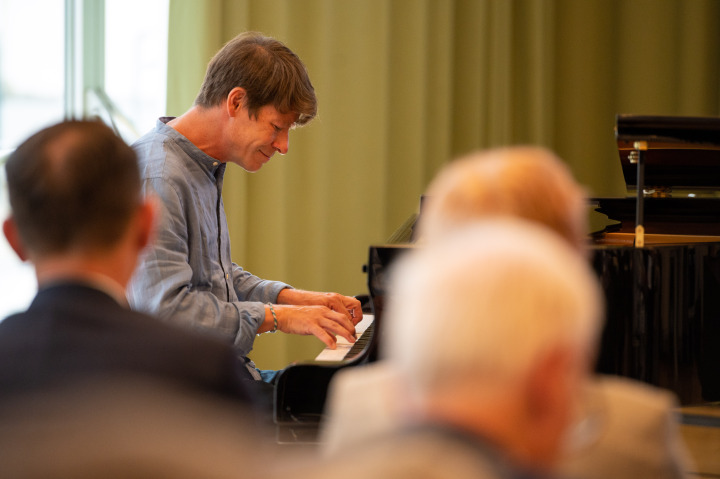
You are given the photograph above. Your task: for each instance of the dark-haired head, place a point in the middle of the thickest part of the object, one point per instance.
(72, 186)
(268, 71)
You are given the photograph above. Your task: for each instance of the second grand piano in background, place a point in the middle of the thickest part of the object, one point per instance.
(663, 299)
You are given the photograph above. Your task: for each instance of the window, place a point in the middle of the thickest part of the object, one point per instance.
(31, 96)
(136, 62)
(49, 70)
(31, 68)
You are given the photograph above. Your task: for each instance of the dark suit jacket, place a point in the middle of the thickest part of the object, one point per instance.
(74, 332)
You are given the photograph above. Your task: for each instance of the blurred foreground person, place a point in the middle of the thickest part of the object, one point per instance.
(127, 427)
(494, 350)
(635, 432)
(79, 218)
(639, 434)
(517, 182)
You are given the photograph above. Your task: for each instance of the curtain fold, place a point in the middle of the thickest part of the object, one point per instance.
(406, 85)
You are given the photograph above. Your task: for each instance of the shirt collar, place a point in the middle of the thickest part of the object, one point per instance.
(214, 167)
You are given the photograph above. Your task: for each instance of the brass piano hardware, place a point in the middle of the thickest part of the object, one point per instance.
(640, 149)
(639, 236)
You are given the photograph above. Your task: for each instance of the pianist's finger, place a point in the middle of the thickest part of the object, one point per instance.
(345, 304)
(327, 328)
(354, 308)
(338, 324)
(327, 338)
(320, 321)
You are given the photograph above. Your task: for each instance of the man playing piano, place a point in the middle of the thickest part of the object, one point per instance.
(255, 91)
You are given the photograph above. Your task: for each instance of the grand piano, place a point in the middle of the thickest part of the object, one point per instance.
(661, 282)
(663, 290)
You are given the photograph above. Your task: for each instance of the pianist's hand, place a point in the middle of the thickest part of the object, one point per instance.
(323, 315)
(319, 321)
(346, 305)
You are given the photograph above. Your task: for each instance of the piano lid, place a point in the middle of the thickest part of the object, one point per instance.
(683, 152)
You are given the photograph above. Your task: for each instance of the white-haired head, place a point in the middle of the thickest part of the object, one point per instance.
(483, 303)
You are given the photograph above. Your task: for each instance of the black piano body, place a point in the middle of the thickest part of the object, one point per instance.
(663, 298)
(301, 389)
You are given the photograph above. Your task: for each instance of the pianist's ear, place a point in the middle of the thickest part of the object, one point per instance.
(13, 237)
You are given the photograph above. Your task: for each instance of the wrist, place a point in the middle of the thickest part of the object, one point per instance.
(274, 317)
(271, 322)
(287, 296)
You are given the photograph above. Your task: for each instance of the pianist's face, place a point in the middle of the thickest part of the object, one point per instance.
(253, 140)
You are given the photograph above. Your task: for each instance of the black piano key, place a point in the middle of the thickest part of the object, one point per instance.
(360, 343)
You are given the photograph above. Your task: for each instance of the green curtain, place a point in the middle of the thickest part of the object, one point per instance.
(406, 85)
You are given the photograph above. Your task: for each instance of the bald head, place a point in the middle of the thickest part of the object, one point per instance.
(524, 182)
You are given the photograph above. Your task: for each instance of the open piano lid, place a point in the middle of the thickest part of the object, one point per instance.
(683, 152)
(682, 175)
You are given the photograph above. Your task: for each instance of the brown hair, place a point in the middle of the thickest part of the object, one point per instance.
(267, 70)
(72, 185)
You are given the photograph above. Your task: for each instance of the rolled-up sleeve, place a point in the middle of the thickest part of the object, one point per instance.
(251, 288)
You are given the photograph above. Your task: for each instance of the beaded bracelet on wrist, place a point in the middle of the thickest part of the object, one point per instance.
(275, 321)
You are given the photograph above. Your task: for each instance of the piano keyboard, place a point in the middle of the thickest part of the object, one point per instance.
(346, 350)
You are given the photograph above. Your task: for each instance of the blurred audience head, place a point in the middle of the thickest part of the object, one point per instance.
(493, 327)
(72, 185)
(525, 182)
(74, 191)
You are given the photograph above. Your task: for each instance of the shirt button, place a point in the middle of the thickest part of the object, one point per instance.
(227, 275)
(215, 163)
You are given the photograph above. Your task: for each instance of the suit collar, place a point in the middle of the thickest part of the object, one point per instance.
(99, 283)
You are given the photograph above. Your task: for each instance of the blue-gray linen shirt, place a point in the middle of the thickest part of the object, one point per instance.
(187, 275)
